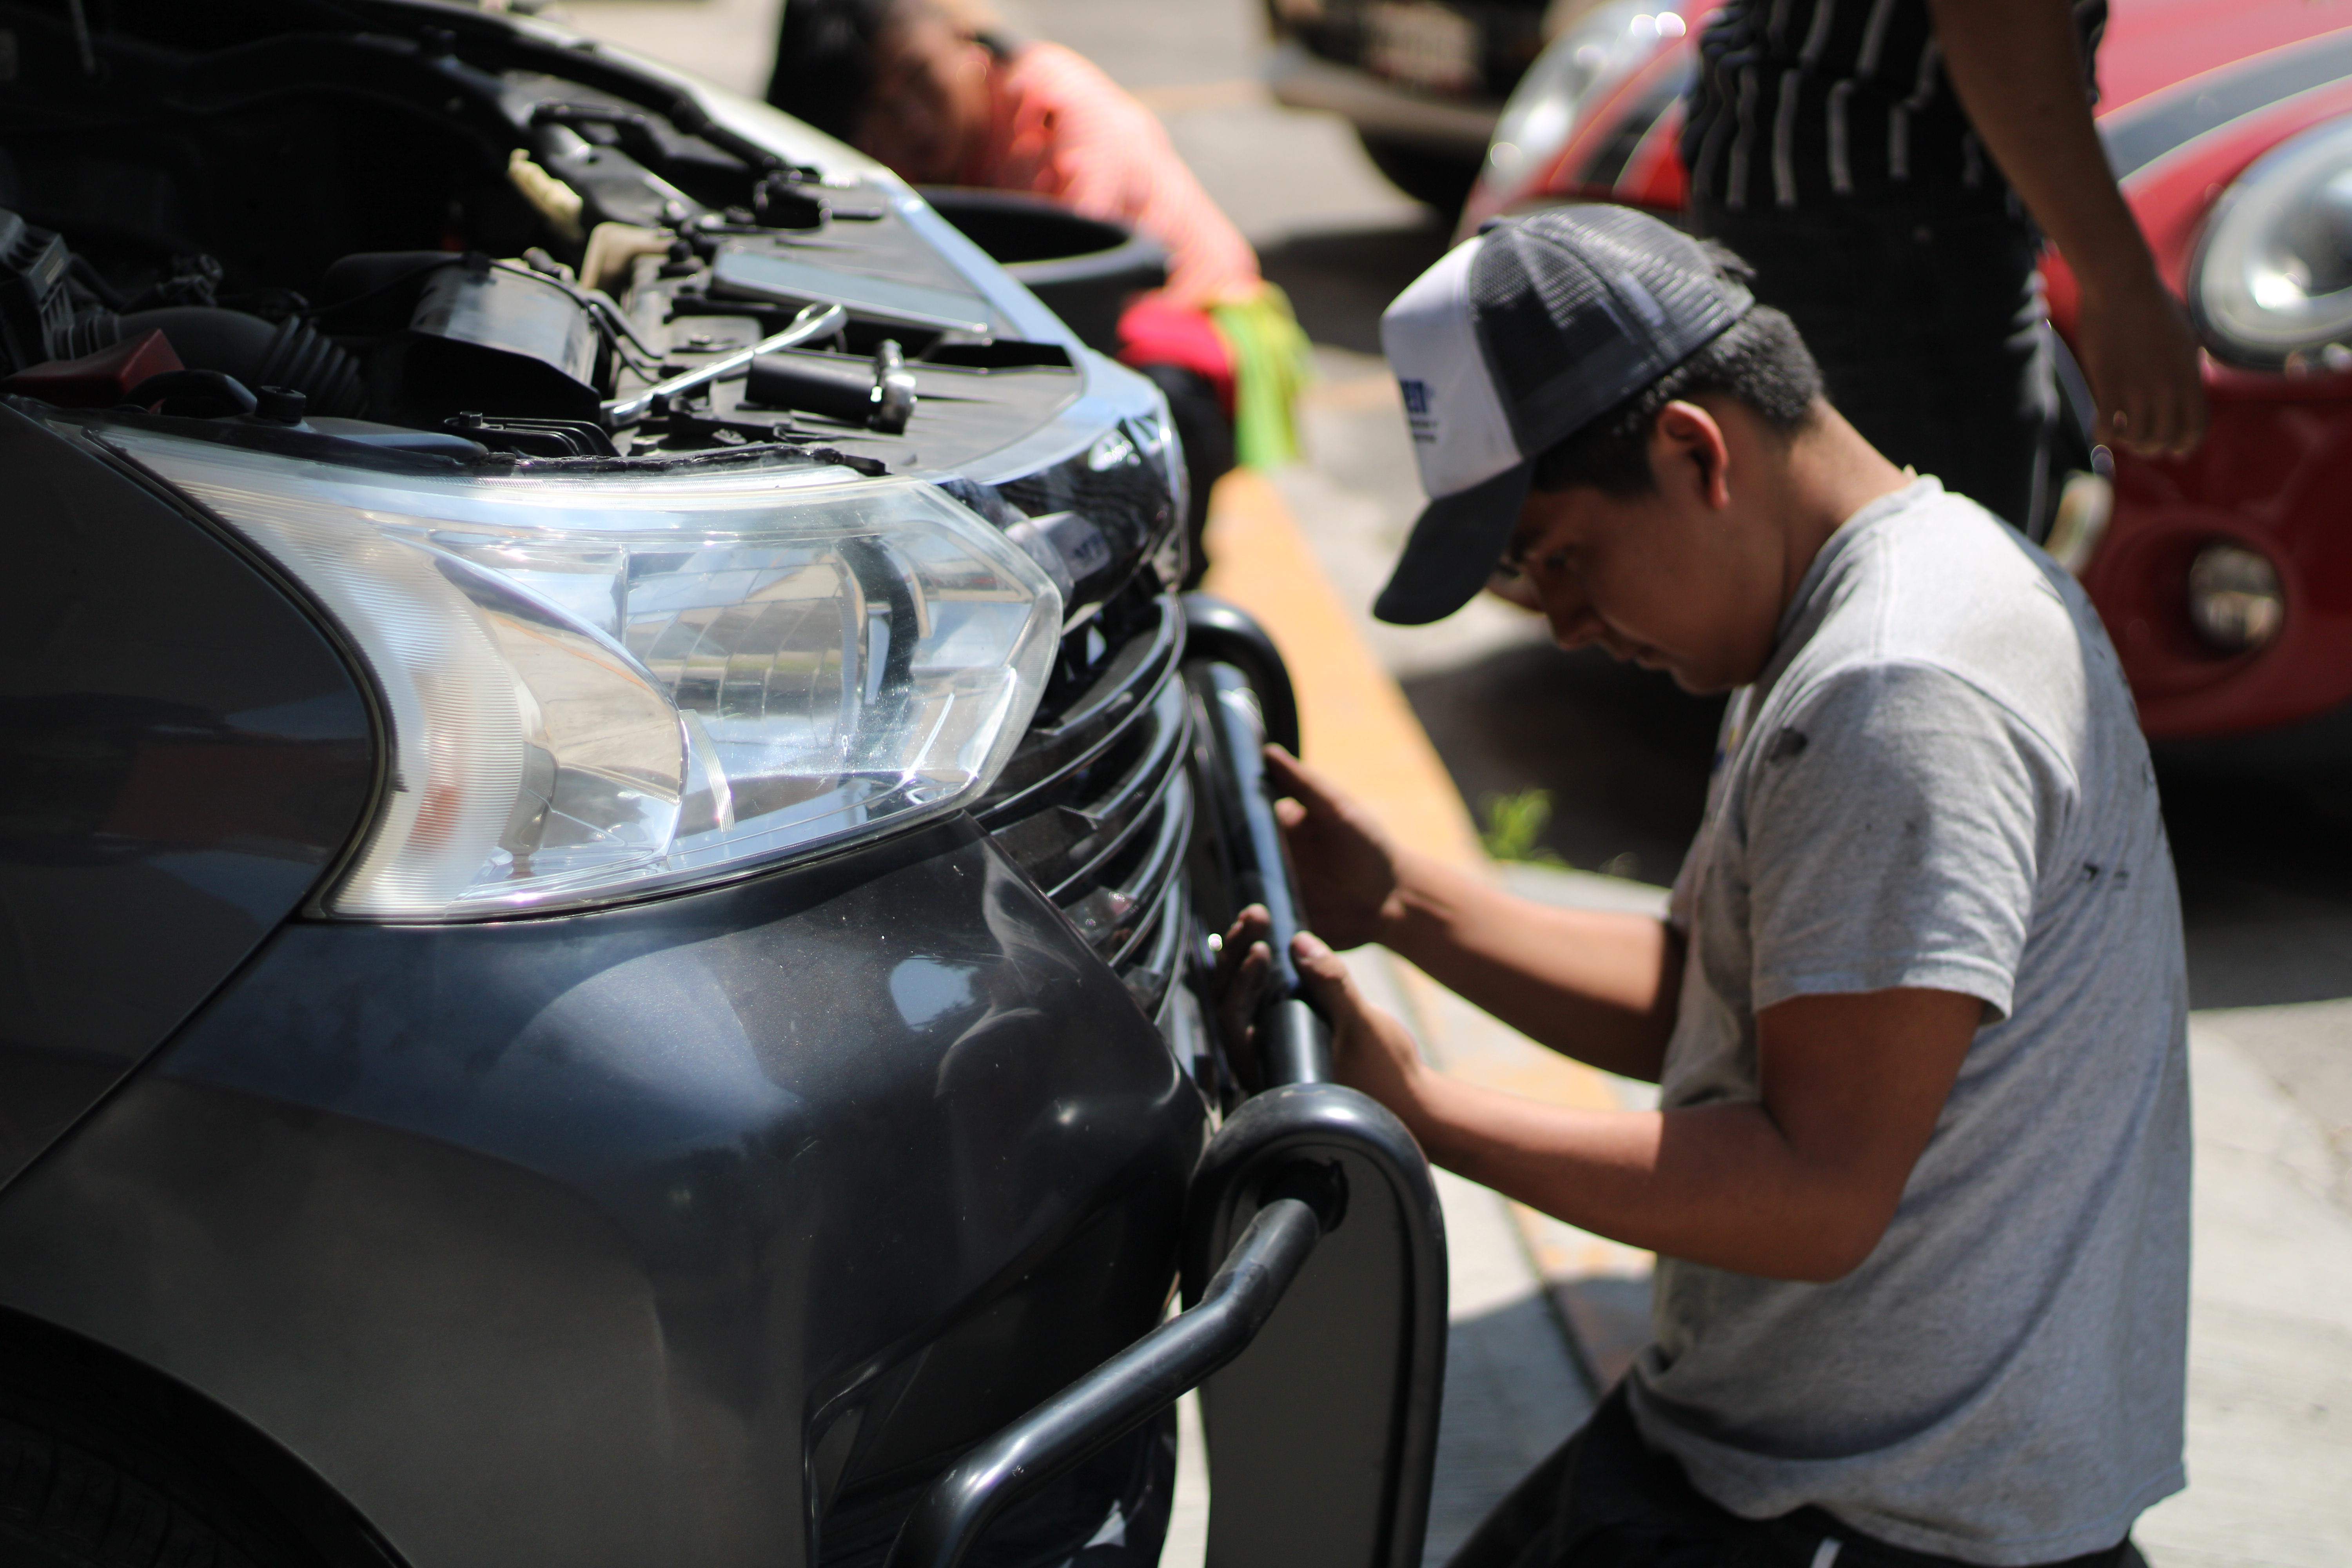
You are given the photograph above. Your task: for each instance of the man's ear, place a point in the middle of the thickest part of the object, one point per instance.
(1690, 452)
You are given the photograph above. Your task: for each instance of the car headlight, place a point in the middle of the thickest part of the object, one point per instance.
(2271, 285)
(597, 686)
(1541, 113)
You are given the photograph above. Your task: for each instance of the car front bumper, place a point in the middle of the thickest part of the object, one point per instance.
(644, 1235)
(718, 1229)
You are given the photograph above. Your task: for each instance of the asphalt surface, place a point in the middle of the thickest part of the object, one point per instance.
(2263, 837)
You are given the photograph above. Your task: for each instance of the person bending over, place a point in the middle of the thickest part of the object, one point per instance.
(1919, 1180)
(927, 88)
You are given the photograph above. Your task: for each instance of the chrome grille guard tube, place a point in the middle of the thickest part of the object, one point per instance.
(1246, 700)
(1294, 1044)
(1314, 1262)
(1121, 1393)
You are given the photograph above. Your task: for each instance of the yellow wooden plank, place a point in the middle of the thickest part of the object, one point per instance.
(1355, 724)
(1353, 721)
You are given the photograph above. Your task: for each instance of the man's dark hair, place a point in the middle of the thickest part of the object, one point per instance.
(825, 60)
(1759, 359)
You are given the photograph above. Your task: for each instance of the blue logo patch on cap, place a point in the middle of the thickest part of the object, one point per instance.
(1416, 408)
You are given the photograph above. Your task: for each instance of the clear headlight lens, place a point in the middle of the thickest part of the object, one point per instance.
(601, 685)
(2235, 598)
(1542, 112)
(2271, 286)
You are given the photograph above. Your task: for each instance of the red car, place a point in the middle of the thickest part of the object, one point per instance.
(2224, 577)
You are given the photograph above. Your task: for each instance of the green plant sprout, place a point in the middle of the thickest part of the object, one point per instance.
(1513, 824)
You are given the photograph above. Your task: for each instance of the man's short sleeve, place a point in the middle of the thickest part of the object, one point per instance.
(1892, 825)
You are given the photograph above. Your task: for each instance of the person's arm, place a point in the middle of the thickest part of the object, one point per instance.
(1799, 1186)
(2017, 68)
(1596, 986)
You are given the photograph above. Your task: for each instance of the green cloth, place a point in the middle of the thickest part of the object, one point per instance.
(1271, 366)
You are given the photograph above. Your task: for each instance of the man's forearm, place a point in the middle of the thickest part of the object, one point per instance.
(1716, 1184)
(2017, 68)
(1597, 986)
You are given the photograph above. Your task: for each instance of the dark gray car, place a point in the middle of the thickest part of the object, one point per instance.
(610, 816)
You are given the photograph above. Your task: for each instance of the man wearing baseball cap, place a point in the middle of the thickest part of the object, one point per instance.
(1919, 1180)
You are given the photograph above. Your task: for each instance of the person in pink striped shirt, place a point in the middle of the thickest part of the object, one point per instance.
(929, 88)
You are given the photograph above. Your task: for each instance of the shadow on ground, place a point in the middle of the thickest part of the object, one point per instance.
(1509, 1403)
(2264, 854)
(1341, 282)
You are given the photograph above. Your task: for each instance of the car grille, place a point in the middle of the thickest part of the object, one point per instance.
(1096, 805)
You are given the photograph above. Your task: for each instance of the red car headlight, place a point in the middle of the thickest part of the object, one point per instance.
(2272, 283)
(1546, 108)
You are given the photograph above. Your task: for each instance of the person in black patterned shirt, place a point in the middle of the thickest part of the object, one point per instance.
(1889, 167)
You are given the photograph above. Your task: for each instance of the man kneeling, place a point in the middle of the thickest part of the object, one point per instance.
(1920, 1188)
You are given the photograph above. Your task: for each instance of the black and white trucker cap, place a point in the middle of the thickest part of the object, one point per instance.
(1513, 343)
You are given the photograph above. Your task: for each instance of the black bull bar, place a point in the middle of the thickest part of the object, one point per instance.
(1314, 1254)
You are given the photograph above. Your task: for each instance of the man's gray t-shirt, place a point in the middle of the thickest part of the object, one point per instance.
(1939, 782)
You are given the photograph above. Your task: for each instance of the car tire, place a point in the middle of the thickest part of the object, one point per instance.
(66, 1505)
(1427, 174)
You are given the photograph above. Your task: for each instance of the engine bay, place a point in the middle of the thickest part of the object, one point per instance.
(417, 229)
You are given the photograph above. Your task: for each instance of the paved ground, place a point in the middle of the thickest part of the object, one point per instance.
(2266, 858)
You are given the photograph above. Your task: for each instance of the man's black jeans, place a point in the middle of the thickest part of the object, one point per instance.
(1605, 1500)
(1928, 328)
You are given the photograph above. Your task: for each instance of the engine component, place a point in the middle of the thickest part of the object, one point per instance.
(781, 202)
(535, 437)
(740, 273)
(558, 203)
(678, 425)
(798, 198)
(894, 389)
(99, 380)
(877, 394)
(367, 292)
(44, 314)
(613, 251)
(279, 405)
(54, 321)
(491, 340)
(193, 280)
(614, 186)
(827, 385)
(290, 353)
(195, 393)
(814, 322)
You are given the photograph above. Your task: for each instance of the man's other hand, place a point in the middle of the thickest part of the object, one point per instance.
(2140, 356)
(1599, 986)
(1347, 863)
(1371, 1050)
